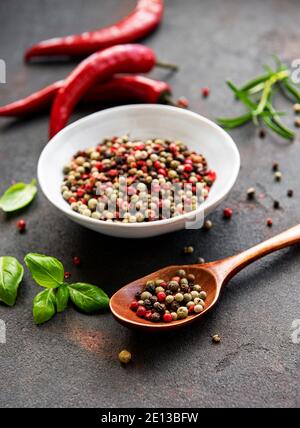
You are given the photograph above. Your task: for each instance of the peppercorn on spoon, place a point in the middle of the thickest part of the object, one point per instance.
(211, 276)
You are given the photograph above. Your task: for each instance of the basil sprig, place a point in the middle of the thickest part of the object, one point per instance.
(18, 196)
(11, 274)
(48, 272)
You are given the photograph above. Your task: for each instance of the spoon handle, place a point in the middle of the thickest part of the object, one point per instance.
(227, 268)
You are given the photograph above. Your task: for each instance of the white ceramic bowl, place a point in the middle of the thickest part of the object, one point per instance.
(144, 122)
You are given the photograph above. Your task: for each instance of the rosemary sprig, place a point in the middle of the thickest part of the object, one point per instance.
(261, 110)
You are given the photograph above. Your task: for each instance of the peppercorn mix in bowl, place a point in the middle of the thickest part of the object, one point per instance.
(122, 180)
(185, 132)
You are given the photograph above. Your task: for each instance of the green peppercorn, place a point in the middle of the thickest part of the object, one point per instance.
(184, 281)
(169, 299)
(187, 297)
(159, 290)
(158, 282)
(182, 312)
(179, 297)
(197, 287)
(251, 192)
(278, 176)
(145, 295)
(174, 316)
(125, 357)
(194, 294)
(188, 250)
(181, 273)
(198, 308)
(203, 295)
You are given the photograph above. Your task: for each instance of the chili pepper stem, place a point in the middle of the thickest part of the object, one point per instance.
(167, 99)
(167, 65)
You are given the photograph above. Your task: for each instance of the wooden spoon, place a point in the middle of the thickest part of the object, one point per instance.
(211, 276)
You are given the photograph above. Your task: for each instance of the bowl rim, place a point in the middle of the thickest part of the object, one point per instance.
(183, 217)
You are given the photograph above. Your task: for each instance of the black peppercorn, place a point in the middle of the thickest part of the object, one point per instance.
(191, 277)
(174, 306)
(276, 205)
(159, 307)
(155, 317)
(153, 299)
(173, 286)
(138, 295)
(290, 193)
(148, 304)
(184, 288)
(150, 288)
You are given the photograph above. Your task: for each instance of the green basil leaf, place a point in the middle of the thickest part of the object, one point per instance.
(43, 306)
(18, 196)
(11, 274)
(46, 271)
(88, 298)
(62, 298)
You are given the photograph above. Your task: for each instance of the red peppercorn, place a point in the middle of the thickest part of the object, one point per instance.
(99, 166)
(76, 261)
(113, 173)
(141, 311)
(88, 187)
(80, 193)
(167, 318)
(191, 309)
(269, 222)
(161, 296)
(205, 92)
(148, 315)
(72, 200)
(182, 102)
(162, 172)
(227, 213)
(163, 284)
(67, 275)
(21, 225)
(156, 164)
(134, 305)
(188, 167)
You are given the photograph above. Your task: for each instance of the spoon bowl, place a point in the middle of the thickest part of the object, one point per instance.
(211, 276)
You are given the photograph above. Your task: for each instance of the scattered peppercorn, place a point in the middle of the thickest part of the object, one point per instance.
(188, 250)
(216, 338)
(21, 225)
(278, 176)
(200, 260)
(170, 300)
(262, 133)
(297, 108)
(251, 193)
(275, 166)
(125, 357)
(290, 193)
(67, 275)
(227, 213)
(205, 92)
(297, 122)
(208, 224)
(76, 261)
(269, 222)
(182, 102)
(276, 205)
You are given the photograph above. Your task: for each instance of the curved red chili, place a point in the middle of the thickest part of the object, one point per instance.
(142, 21)
(118, 89)
(98, 67)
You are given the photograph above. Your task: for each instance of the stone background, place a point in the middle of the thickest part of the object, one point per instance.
(72, 360)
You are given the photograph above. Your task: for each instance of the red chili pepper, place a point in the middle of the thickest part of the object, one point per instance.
(142, 21)
(117, 90)
(98, 67)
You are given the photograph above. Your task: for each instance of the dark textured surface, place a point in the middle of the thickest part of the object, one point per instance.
(72, 360)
